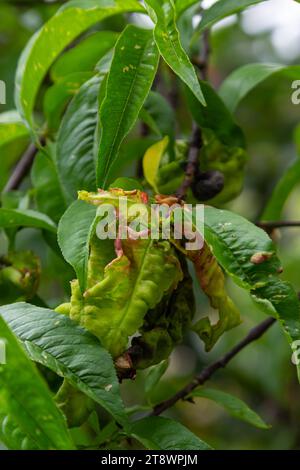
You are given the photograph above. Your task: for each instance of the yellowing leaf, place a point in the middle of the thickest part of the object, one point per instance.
(152, 160)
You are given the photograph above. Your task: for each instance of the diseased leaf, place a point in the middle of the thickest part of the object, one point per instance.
(85, 55)
(246, 78)
(152, 159)
(168, 42)
(235, 407)
(76, 140)
(74, 232)
(248, 255)
(134, 65)
(69, 22)
(29, 417)
(121, 287)
(10, 218)
(157, 433)
(56, 342)
(212, 281)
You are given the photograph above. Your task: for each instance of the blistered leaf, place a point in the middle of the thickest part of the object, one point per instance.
(212, 281)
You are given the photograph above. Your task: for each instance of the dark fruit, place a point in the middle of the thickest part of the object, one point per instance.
(208, 184)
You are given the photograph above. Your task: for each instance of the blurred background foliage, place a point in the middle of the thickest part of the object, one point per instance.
(262, 374)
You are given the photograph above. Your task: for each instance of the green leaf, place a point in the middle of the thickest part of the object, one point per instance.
(281, 192)
(162, 114)
(29, 417)
(14, 138)
(134, 65)
(152, 159)
(74, 232)
(85, 55)
(76, 140)
(154, 375)
(56, 342)
(157, 433)
(11, 127)
(44, 47)
(168, 42)
(128, 184)
(235, 407)
(182, 5)
(221, 9)
(10, 218)
(244, 79)
(58, 95)
(44, 177)
(248, 255)
(216, 116)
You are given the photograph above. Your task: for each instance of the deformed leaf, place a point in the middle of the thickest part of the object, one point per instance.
(212, 281)
(122, 286)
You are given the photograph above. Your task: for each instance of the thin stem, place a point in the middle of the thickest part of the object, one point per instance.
(278, 224)
(208, 372)
(22, 168)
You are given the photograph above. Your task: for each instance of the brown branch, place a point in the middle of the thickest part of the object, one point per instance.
(196, 140)
(192, 163)
(270, 225)
(207, 373)
(22, 168)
